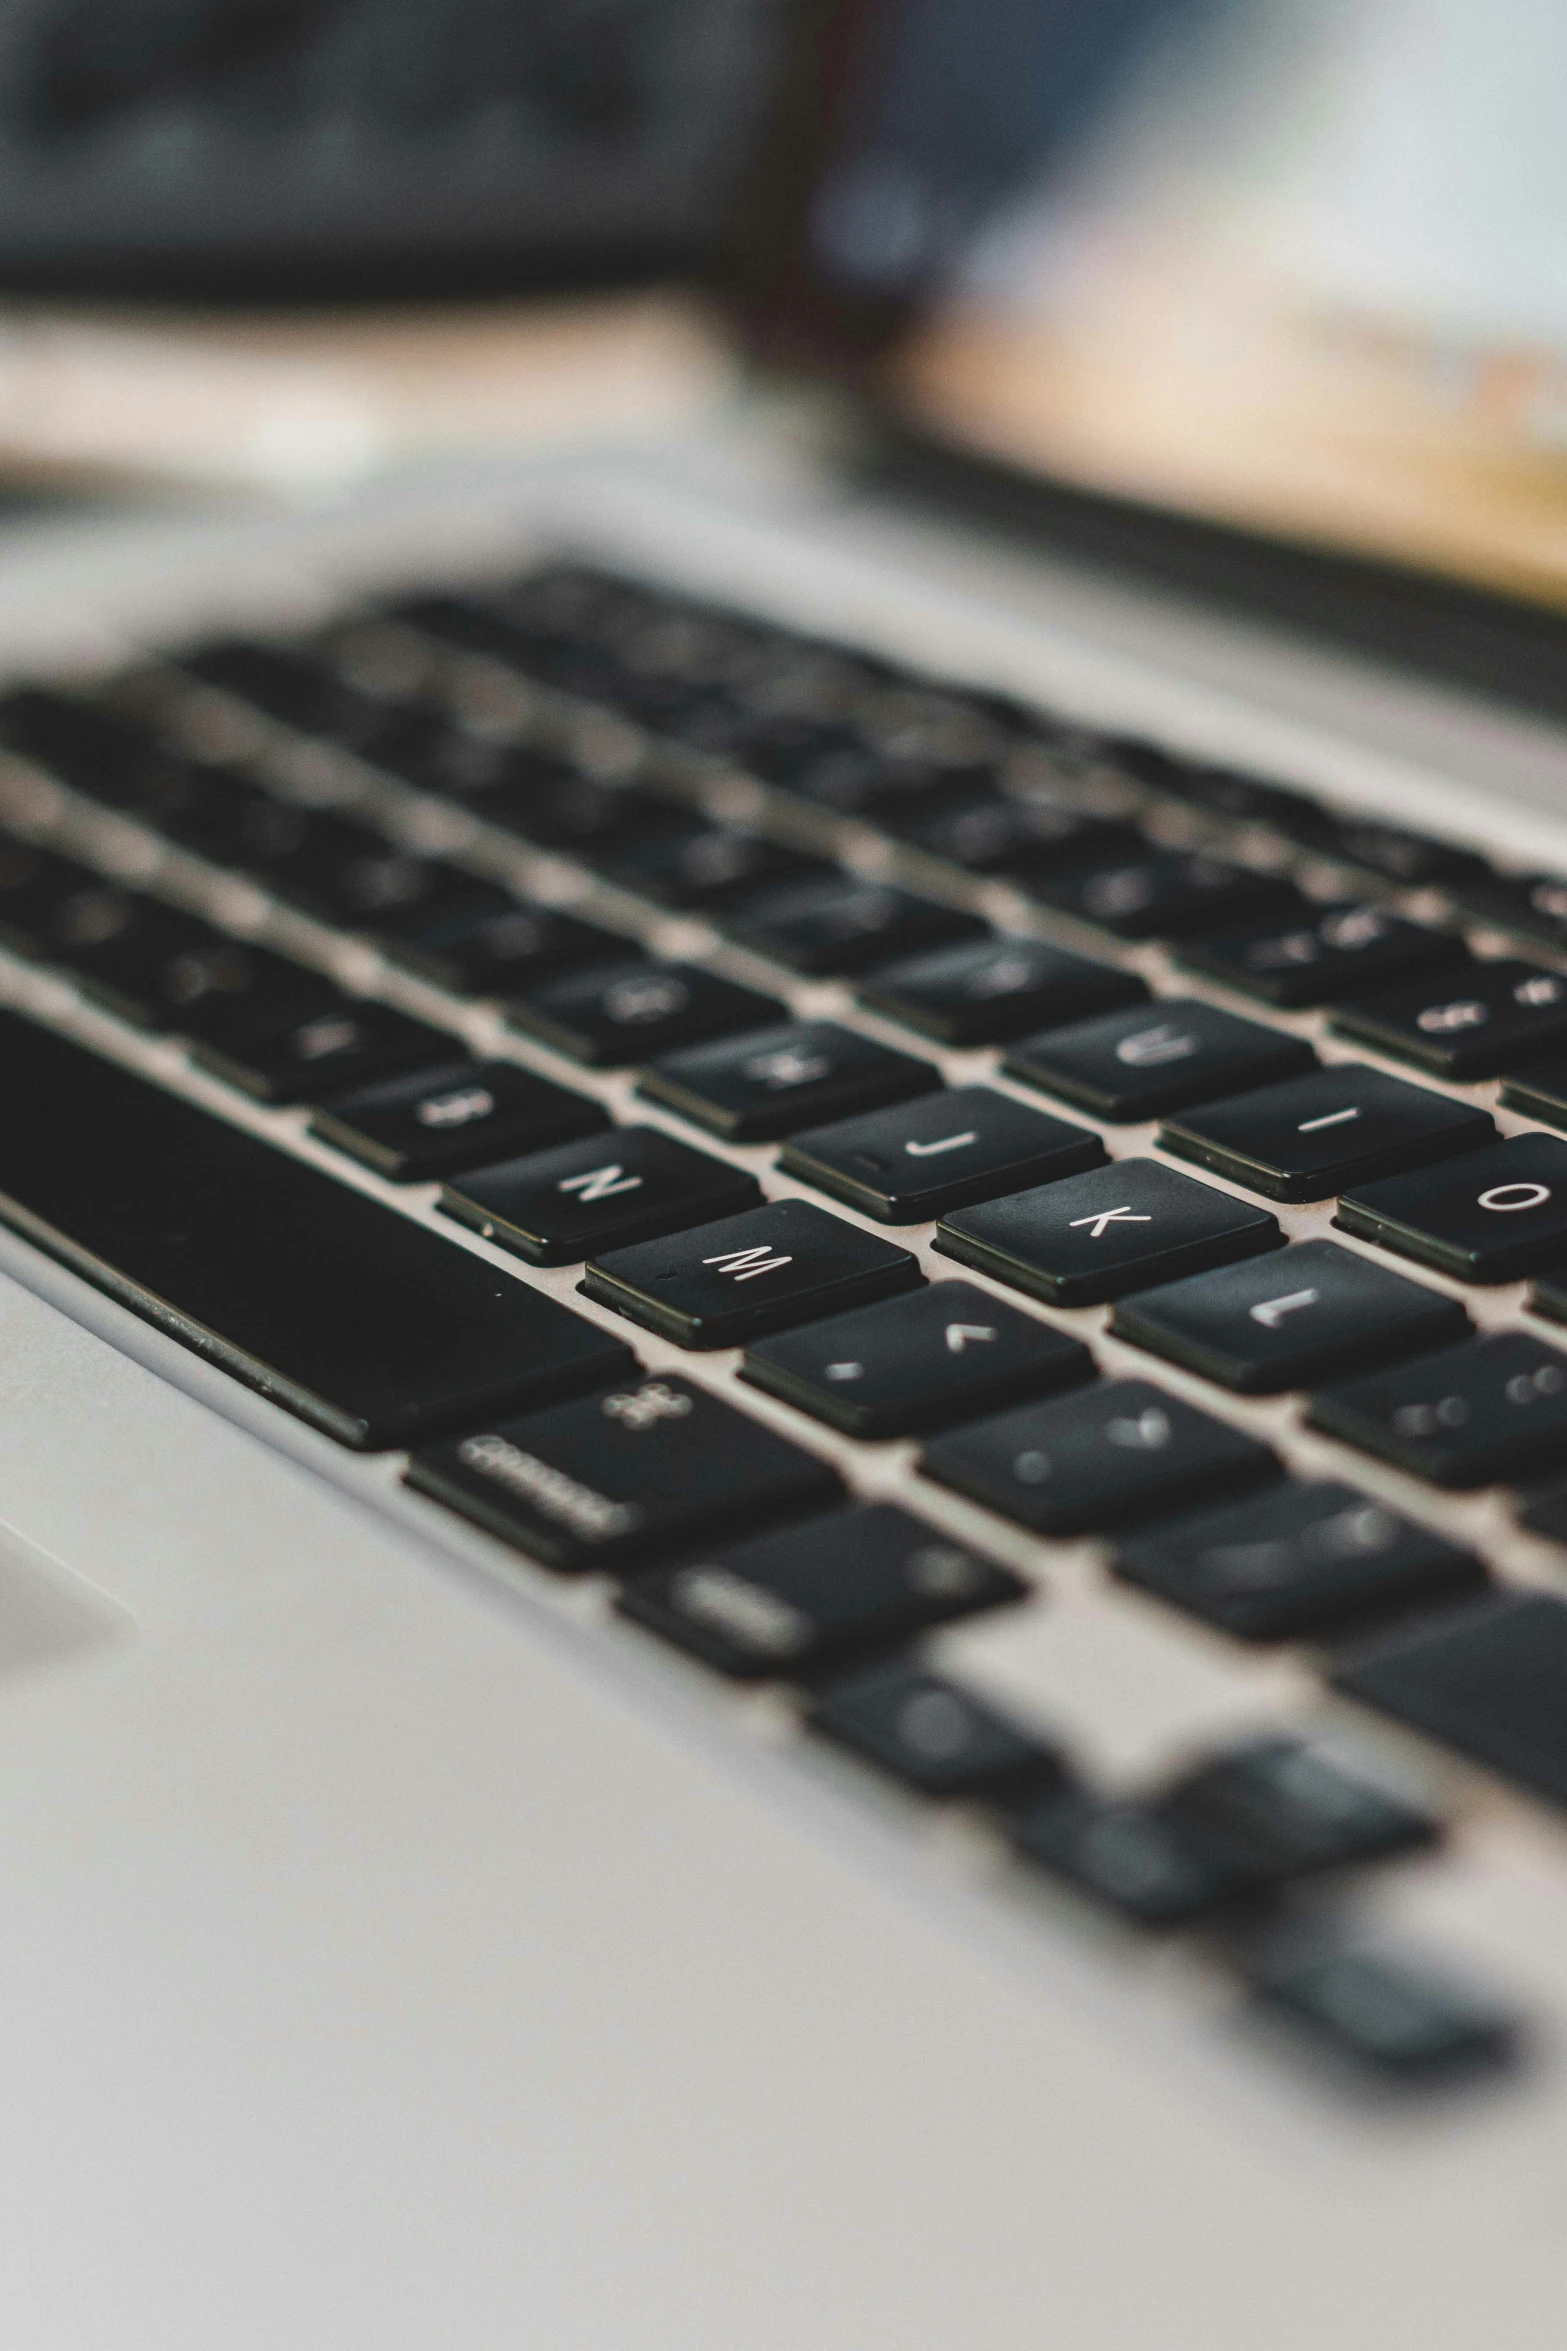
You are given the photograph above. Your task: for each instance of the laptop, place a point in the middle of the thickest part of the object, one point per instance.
(783, 1241)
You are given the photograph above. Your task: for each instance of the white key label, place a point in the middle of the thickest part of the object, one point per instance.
(743, 1265)
(962, 1334)
(947, 1143)
(1334, 1118)
(1151, 1048)
(1271, 1311)
(600, 1183)
(1512, 1199)
(1105, 1218)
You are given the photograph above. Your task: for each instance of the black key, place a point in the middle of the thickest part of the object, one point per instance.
(845, 925)
(559, 1207)
(1391, 2019)
(1493, 1408)
(556, 808)
(1292, 1809)
(941, 1151)
(932, 1736)
(1550, 1299)
(296, 687)
(1487, 1217)
(99, 753)
(1340, 1126)
(1295, 1560)
(505, 951)
(467, 1114)
(285, 1058)
(634, 1010)
(991, 989)
(1117, 1451)
(1167, 894)
(1408, 860)
(1491, 1017)
(1131, 1226)
(997, 833)
(220, 983)
(819, 1593)
(339, 1309)
(1539, 1092)
(34, 884)
(1289, 1320)
(1132, 1065)
(944, 1354)
(346, 874)
(721, 1284)
(654, 1466)
(1154, 1871)
(1545, 1513)
(1490, 1680)
(1343, 951)
(1530, 905)
(750, 1089)
(128, 952)
(239, 825)
(712, 866)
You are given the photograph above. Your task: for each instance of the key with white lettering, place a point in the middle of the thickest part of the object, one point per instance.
(416, 1129)
(615, 1187)
(922, 1158)
(720, 1285)
(1494, 1017)
(1289, 1320)
(1314, 1136)
(989, 989)
(1490, 1216)
(942, 1354)
(1130, 1226)
(1493, 1408)
(633, 1010)
(778, 1081)
(1137, 1064)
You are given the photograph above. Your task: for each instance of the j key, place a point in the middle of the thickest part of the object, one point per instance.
(1490, 1680)
(636, 1010)
(824, 928)
(416, 1129)
(933, 1737)
(905, 1165)
(1151, 1870)
(1531, 905)
(1487, 1217)
(818, 1594)
(750, 1089)
(1290, 1320)
(1292, 1809)
(1000, 834)
(722, 1284)
(943, 1354)
(1493, 1408)
(1342, 952)
(1491, 1017)
(652, 1467)
(1166, 894)
(992, 989)
(1386, 2017)
(339, 1309)
(1121, 1450)
(711, 866)
(1344, 1125)
(605, 1192)
(1130, 1226)
(289, 1058)
(1539, 1092)
(1132, 1065)
(1295, 1560)
(504, 950)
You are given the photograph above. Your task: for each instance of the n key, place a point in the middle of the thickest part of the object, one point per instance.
(605, 1192)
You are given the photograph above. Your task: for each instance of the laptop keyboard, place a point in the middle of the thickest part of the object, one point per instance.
(777, 881)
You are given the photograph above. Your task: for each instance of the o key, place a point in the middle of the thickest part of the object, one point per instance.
(1488, 1216)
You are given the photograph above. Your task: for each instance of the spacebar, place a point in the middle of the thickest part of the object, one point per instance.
(372, 1327)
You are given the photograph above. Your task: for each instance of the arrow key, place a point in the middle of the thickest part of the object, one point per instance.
(939, 1152)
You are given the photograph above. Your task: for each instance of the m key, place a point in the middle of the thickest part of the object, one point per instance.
(725, 1283)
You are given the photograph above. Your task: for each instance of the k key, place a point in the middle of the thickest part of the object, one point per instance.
(905, 1165)
(606, 1192)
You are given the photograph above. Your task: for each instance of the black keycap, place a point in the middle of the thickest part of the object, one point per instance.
(750, 1089)
(468, 1114)
(935, 1738)
(1291, 1319)
(1167, 894)
(1337, 1127)
(819, 1593)
(1296, 1559)
(339, 1309)
(1530, 905)
(347, 875)
(1152, 1871)
(943, 1354)
(553, 807)
(997, 833)
(505, 951)
(1131, 1226)
(288, 683)
(129, 953)
(1293, 1809)
(1539, 1092)
(908, 1164)
(1490, 1680)
(721, 1284)
(103, 755)
(1132, 1065)
(236, 824)
(1550, 1299)
(637, 1009)
(1343, 951)
(559, 1207)
(992, 989)
(1490, 1017)
(1121, 1450)
(1487, 1217)
(222, 984)
(348, 1044)
(1545, 1513)
(845, 925)
(34, 883)
(655, 1466)
(1393, 2020)
(1493, 1408)
(711, 866)
(1408, 860)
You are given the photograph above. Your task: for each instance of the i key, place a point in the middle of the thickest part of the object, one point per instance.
(905, 1165)
(1489, 1217)
(1137, 1064)
(605, 1192)
(1314, 1136)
